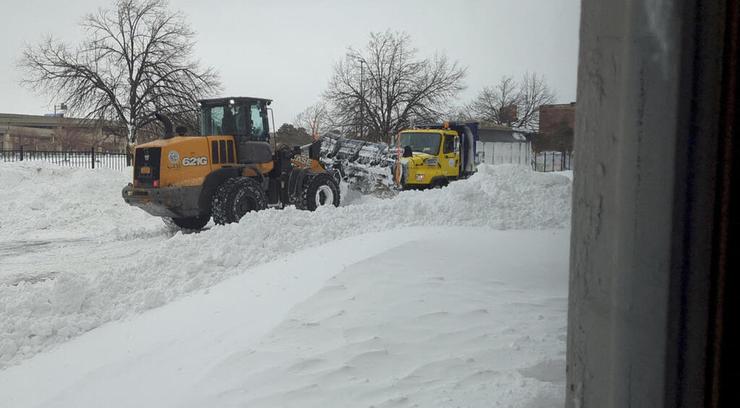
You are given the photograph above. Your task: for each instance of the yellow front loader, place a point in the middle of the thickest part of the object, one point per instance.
(229, 170)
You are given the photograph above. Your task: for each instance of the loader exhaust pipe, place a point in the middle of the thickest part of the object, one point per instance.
(167, 123)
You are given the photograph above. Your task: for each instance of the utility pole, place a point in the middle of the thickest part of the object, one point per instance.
(59, 112)
(360, 127)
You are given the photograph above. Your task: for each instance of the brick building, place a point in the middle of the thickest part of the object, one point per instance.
(57, 133)
(557, 122)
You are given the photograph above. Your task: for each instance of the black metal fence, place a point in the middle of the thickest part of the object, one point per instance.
(552, 161)
(542, 161)
(86, 159)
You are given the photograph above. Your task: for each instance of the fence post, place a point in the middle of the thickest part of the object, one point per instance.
(92, 156)
(562, 161)
(544, 165)
(21, 152)
(553, 161)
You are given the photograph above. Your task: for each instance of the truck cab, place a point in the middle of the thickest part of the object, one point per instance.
(435, 155)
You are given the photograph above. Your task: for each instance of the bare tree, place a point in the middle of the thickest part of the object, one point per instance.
(533, 93)
(137, 59)
(315, 119)
(512, 103)
(73, 138)
(493, 104)
(382, 89)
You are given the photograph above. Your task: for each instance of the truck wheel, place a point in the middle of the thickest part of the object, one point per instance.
(319, 190)
(188, 223)
(438, 183)
(236, 197)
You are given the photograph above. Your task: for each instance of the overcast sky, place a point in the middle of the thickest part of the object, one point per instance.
(285, 50)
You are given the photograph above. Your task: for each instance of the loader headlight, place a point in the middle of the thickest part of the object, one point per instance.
(431, 162)
(420, 177)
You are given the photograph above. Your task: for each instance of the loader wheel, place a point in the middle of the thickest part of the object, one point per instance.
(188, 223)
(319, 190)
(218, 203)
(236, 197)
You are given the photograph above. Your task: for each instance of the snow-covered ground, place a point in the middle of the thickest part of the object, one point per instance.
(452, 297)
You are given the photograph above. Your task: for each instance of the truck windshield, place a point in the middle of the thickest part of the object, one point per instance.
(421, 142)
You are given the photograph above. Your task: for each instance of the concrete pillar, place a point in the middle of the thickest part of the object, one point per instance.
(620, 246)
(645, 145)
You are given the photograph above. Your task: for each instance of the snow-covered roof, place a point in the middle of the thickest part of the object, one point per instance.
(502, 134)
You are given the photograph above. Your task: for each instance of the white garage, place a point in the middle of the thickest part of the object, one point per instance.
(503, 145)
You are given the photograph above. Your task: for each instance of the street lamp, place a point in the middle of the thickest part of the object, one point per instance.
(62, 108)
(362, 95)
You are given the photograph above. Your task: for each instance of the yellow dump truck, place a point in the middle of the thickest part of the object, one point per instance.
(432, 156)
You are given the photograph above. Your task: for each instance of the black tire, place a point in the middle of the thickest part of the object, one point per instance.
(188, 223)
(219, 207)
(438, 183)
(318, 191)
(236, 197)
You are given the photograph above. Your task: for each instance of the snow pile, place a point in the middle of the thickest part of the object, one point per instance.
(37, 315)
(483, 327)
(44, 201)
(395, 318)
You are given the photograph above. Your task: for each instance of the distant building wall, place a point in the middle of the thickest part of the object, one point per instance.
(556, 127)
(503, 145)
(552, 116)
(505, 153)
(56, 133)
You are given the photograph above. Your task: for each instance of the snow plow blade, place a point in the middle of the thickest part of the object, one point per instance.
(365, 166)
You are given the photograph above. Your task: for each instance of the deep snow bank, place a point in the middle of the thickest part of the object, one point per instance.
(344, 324)
(34, 316)
(476, 322)
(44, 201)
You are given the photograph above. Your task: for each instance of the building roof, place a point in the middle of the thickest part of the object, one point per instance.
(503, 134)
(570, 105)
(46, 121)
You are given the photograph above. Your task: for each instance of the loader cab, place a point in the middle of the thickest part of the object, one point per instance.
(244, 118)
